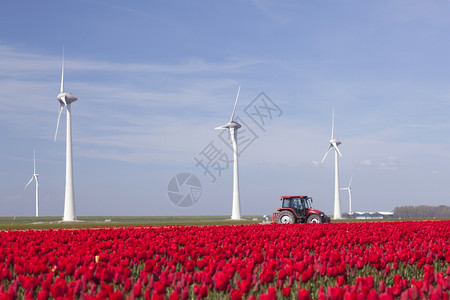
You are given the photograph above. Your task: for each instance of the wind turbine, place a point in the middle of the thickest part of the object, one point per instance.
(233, 127)
(334, 143)
(65, 99)
(35, 177)
(349, 189)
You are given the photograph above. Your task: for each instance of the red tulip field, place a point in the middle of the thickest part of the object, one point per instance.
(368, 260)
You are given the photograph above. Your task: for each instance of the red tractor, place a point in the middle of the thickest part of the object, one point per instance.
(298, 209)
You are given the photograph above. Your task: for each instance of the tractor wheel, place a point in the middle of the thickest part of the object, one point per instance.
(285, 217)
(314, 219)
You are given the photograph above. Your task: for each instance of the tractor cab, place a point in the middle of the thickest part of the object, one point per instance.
(299, 204)
(298, 209)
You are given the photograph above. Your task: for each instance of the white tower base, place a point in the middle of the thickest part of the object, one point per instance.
(37, 199)
(236, 209)
(69, 202)
(337, 200)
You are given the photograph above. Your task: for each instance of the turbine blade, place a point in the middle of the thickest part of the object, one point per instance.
(62, 73)
(337, 149)
(61, 106)
(34, 162)
(325, 156)
(222, 127)
(29, 182)
(235, 104)
(350, 183)
(332, 125)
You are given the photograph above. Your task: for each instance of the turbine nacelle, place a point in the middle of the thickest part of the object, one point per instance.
(335, 142)
(230, 125)
(66, 98)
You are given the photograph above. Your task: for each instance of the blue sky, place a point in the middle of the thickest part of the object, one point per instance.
(153, 79)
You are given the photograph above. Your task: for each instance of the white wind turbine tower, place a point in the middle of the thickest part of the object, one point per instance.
(349, 189)
(334, 143)
(233, 127)
(35, 177)
(66, 98)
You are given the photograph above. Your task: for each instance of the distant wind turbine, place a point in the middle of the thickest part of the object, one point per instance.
(349, 189)
(233, 127)
(35, 177)
(334, 143)
(66, 98)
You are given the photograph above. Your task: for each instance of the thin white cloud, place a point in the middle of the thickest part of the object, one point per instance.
(192, 65)
(390, 164)
(132, 11)
(278, 11)
(14, 60)
(366, 162)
